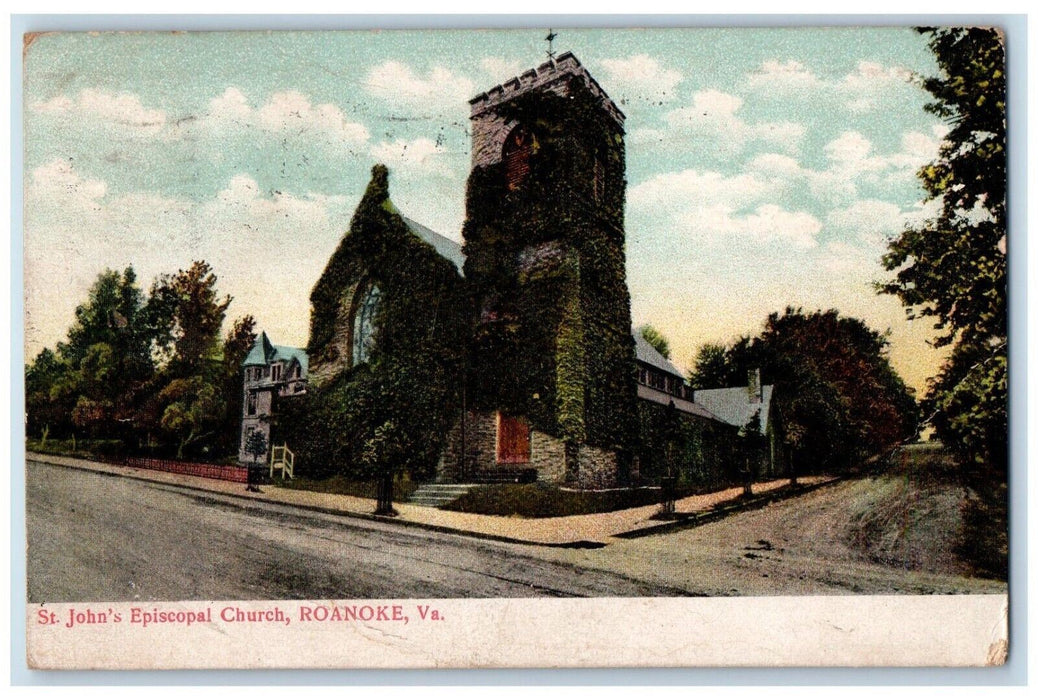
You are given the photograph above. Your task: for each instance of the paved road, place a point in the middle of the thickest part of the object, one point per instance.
(95, 537)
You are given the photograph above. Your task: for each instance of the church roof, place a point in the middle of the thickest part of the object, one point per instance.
(649, 355)
(264, 353)
(444, 246)
(732, 405)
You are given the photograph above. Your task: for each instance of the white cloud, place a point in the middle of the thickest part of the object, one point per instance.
(288, 111)
(782, 77)
(639, 77)
(398, 84)
(854, 164)
(420, 156)
(767, 224)
(870, 222)
(293, 111)
(712, 118)
(124, 109)
(850, 151)
(232, 105)
(864, 89)
(711, 104)
(712, 207)
(917, 149)
(775, 166)
(260, 243)
(670, 191)
(868, 77)
(58, 181)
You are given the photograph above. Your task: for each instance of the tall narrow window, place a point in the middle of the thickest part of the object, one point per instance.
(364, 318)
(513, 439)
(516, 156)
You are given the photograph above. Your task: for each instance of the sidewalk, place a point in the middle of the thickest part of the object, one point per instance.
(596, 529)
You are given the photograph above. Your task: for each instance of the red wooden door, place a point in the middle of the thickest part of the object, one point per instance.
(513, 439)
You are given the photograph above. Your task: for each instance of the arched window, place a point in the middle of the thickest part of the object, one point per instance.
(515, 154)
(364, 317)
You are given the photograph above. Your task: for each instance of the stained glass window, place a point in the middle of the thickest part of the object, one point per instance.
(364, 317)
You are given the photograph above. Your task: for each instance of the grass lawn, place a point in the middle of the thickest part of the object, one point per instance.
(546, 501)
(402, 487)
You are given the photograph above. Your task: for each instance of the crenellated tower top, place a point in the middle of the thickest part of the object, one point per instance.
(553, 75)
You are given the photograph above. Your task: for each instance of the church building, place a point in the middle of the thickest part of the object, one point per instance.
(510, 358)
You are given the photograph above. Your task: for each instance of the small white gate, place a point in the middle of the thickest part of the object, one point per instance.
(283, 459)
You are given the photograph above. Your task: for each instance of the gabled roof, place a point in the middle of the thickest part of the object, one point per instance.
(644, 352)
(732, 405)
(264, 353)
(447, 248)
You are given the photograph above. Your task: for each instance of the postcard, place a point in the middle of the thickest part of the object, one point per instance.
(516, 348)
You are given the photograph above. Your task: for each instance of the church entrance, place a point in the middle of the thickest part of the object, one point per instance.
(513, 439)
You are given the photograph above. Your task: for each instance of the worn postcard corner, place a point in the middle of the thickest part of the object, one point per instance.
(526, 348)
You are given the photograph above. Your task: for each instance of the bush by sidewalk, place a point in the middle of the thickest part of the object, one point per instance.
(82, 449)
(546, 501)
(403, 487)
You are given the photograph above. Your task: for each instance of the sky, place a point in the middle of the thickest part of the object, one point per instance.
(766, 167)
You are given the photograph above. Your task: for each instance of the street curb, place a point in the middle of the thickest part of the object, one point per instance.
(577, 544)
(685, 521)
(681, 521)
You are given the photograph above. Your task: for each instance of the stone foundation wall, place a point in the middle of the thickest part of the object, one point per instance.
(548, 455)
(596, 468)
(480, 444)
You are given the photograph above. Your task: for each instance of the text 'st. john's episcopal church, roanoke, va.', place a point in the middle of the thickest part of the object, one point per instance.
(510, 357)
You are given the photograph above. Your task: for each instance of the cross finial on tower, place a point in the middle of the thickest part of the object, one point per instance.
(550, 39)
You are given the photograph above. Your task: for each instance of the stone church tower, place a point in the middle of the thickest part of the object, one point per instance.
(552, 385)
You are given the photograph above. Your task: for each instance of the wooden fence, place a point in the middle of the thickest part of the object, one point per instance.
(209, 471)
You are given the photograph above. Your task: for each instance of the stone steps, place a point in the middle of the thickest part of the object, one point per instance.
(436, 495)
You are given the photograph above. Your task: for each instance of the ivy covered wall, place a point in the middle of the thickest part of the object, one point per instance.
(698, 451)
(545, 263)
(395, 408)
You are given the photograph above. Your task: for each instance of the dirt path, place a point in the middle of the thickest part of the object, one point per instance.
(804, 546)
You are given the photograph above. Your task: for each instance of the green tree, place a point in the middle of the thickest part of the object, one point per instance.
(93, 381)
(193, 410)
(188, 313)
(113, 315)
(952, 269)
(656, 339)
(43, 409)
(256, 445)
(838, 397)
(712, 369)
(236, 345)
(191, 400)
